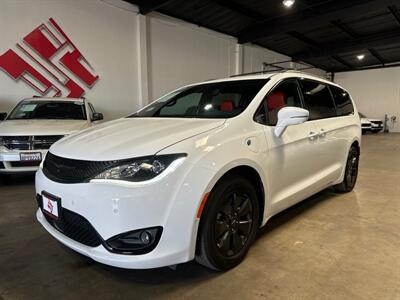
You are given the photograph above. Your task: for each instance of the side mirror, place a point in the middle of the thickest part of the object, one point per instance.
(97, 117)
(288, 116)
(3, 116)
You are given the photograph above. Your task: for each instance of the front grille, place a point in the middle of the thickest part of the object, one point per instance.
(65, 170)
(36, 142)
(74, 226)
(22, 164)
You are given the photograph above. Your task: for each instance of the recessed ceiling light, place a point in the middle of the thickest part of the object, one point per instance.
(288, 3)
(361, 56)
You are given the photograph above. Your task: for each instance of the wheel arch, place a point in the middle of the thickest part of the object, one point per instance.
(248, 171)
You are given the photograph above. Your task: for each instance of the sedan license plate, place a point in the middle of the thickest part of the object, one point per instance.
(31, 156)
(51, 205)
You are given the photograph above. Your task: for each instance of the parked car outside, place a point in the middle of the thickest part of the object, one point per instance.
(370, 125)
(35, 124)
(196, 173)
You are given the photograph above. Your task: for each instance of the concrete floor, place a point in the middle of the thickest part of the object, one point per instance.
(328, 247)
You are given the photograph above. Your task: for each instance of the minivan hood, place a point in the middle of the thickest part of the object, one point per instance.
(40, 127)
(130, 138)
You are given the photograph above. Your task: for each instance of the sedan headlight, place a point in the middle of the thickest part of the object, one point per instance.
(141, 169)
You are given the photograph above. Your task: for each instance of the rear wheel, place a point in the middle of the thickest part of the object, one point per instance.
(228, 224)
(351, 172)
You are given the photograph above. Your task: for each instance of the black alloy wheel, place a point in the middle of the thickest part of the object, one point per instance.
(351, 172)
(229, 223)
(233, 223)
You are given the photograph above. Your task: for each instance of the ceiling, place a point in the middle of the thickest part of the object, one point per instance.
(328, 34)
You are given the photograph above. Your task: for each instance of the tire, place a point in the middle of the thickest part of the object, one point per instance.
(229, 224)
(351, 173)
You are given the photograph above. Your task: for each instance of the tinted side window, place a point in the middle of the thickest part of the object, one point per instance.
(285, 94)
(317, 99)
(344, 106)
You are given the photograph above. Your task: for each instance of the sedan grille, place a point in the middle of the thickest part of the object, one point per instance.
(37, 142)
(377, 122)
(65, 170)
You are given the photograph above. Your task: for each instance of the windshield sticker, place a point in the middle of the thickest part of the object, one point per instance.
(28, 107)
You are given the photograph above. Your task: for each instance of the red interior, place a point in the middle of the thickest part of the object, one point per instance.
(276, 100)
(227, 105)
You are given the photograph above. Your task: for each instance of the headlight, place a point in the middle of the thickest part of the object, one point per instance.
(140, 169)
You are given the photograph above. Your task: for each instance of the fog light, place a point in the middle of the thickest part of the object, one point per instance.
(135, 242)
(145, 237)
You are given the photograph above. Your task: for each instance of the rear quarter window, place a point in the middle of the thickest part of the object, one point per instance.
(342, 99)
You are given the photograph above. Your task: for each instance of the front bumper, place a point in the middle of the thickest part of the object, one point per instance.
(10, 161)
(114, 208)
(376, 127)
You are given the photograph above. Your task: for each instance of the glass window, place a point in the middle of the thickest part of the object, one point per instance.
(211, 100)
(344, 106)
(285, 94)
(317, 99)
(184, 105)
(39, 109)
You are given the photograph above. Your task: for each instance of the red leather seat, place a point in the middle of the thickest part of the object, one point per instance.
(226, 105)
(276, 100)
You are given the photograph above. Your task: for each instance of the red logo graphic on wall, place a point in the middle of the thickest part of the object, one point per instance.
(50, 63)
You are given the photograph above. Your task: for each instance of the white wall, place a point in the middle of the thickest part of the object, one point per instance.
(375, 92)
(105, 34)
(138, 58)
(254, 57)
(182, 53)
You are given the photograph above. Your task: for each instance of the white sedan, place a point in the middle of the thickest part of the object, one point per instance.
(34, 125)
(370, 125)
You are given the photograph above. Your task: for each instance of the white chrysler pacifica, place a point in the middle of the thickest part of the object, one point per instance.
(194, 174)
(34, 125)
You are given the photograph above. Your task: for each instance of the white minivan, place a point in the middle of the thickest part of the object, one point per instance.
(196, 173)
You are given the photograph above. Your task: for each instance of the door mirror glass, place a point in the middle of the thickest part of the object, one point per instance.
(289, 116)
(97, 117)
(3, 116)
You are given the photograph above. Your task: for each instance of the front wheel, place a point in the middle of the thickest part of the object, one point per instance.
(229, 224)
(351, 172)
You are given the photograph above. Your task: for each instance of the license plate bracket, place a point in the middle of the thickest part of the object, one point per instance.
(51, 205)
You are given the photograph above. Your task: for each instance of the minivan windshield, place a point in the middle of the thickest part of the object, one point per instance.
(210, 100)
(65, 110)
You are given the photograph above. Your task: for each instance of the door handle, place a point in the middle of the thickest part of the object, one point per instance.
(312, 135)
(322, 133)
